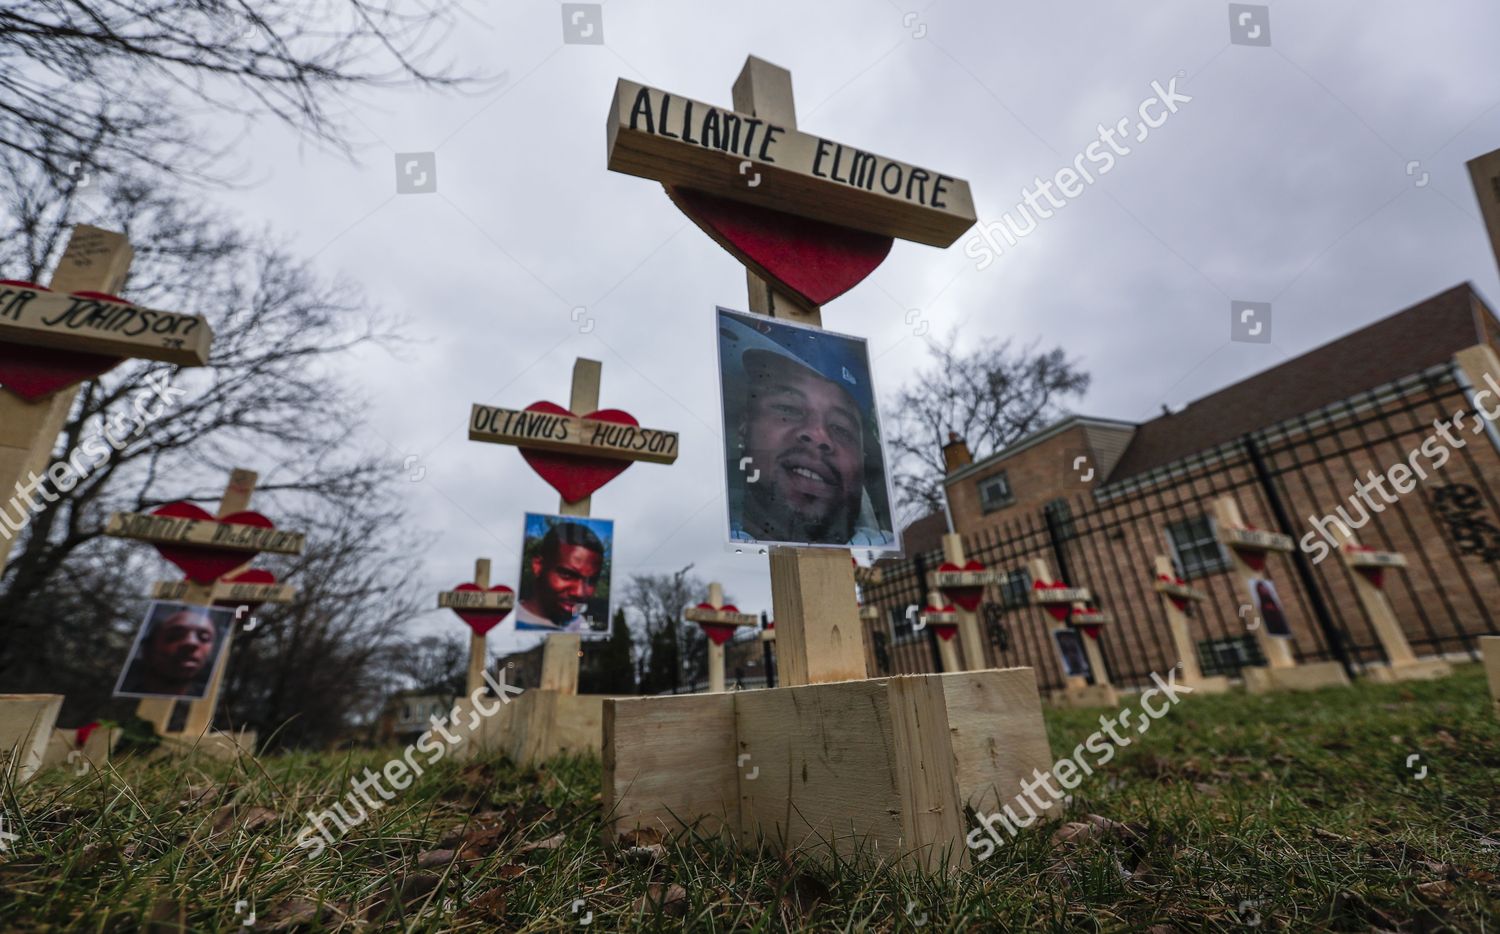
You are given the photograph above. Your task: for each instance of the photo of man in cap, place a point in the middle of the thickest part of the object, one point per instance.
(174, 652)
(805, 458)
(565, 574)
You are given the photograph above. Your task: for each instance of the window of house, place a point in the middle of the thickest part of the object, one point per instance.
(994, 492)
(1196, 547)
(1228, 656)
(1060, 514)
(1015, 589)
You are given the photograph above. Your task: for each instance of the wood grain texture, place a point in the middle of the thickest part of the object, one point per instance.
(669, 762)
(26, 725)
(819, 638)
(998, 735)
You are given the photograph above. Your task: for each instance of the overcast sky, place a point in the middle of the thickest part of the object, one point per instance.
(1323, 173)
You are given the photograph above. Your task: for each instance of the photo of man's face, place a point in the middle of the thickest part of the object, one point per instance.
(805, 436)
(805, 463)
(564, 580)
(174, 654)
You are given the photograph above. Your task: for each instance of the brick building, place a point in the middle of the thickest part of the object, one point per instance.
(1100, 498)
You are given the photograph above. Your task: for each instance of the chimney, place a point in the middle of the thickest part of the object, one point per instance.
(956, 454)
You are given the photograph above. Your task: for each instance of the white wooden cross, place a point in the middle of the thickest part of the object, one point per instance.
(1246, 545)
(1102, 691)
(970, 635)
(689, 144)
(218, 535)
(1369, 567)
(571, 434)
(715, 614)
(1175, 596)
(95, 261)
(482, 600)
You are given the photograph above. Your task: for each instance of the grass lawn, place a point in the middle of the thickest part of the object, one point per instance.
(1288, 812)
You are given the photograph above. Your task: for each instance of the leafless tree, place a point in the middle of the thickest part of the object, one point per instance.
(990, 395)
(654, 604)
(269, 389)
(100, 86)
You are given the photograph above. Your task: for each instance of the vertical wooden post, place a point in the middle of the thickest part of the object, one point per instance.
(236, 498)
(584, 399)
(94, 260)
(560, 654)
(715, 650)
(1278, 652)
(1489, 646)
(818, 635)
(1403, 662)
(1182, 638)
(947, 649)
(969, 633)
(479, 655)
(1077, 691)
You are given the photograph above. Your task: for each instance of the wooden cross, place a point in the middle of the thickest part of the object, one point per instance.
(542, 428)
(1248, 548)
(756, 157)
(966, 585)
(83, 335)
(1369, 567)
(479, 602)
(216, 535)
(716, 614)
(1489, 647)
(944, 620)
(1078, 690)
(1175, 596)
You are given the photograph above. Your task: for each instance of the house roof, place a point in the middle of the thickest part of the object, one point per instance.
(1425, 335)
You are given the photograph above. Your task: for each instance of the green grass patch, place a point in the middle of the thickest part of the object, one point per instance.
(1283, 812)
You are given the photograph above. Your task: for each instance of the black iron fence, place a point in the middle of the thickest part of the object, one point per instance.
(1281, 478)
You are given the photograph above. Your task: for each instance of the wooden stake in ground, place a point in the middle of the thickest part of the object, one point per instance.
(1248, 549)
(567, 448)
(72, 333)
(1176, 595)
(1489, 647)
(878, 769)
(962, 583)
(718, 623)
(211, 550)
(482, 608)
(1368, 568)
(1069, 605)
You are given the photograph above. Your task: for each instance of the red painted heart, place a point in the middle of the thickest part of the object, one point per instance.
(718, 634)
(1179, 602)
(814, 260)
(945, 631)
(204, 565)
(482, 621)
(570, 475)
(1091, 631)
(967, 597)
(37, 372)
(81, 735)
(1059, 611)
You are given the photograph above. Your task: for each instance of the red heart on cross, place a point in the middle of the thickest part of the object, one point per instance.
(573, 476)
(945, 631)
(482, 621)
(718, 632)
(206, 564)
(1179, 602)
(1091, 631)
(1059, 611)
(967, 597)
(81, 735)
(37, 372)
(814, 260)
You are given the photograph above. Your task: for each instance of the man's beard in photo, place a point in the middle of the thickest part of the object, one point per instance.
(770, 518)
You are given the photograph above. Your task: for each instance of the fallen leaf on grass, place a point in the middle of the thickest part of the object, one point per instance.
(641, 836)
(167, 915)
(1437, 891)
(510, 871)
(228, 817)
(551, 843)
(670, 899)
(488, 906)
(432, 859)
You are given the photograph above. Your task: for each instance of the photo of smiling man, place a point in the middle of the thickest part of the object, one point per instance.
(175, 651)
(804, 454)
(565, 562)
